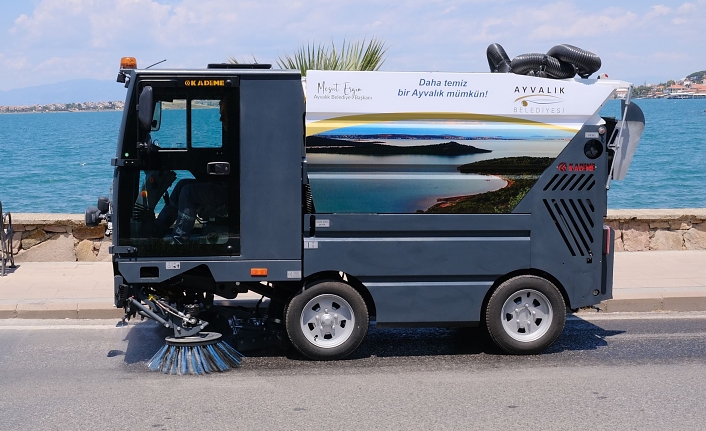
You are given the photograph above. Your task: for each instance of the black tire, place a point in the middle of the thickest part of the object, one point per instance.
(311, 341)
(513, 332)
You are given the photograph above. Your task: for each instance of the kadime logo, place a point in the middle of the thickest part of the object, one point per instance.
(204, 83)
(576, 167)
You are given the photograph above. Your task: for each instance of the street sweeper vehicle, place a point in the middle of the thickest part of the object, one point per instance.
(399, 198)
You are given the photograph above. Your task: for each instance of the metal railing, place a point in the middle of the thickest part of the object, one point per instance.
(7, 259)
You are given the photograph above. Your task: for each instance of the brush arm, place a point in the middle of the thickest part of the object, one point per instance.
(184, 326)
(145, 311)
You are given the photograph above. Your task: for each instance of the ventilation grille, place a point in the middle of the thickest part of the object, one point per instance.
(571, 182)
(308, 199)
(574, 220)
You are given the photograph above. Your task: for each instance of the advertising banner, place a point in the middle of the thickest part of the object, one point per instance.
(411, 142)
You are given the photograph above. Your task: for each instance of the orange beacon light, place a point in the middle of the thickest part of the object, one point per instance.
(128, 63)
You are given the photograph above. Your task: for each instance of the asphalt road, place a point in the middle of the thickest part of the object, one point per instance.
(629, 372)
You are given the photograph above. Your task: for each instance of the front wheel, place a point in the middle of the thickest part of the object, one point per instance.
(525, 315)
(327, 321)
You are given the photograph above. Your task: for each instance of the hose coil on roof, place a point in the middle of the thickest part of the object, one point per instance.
(586, 62)
(542, 65)
(498, 60)
(561, 62)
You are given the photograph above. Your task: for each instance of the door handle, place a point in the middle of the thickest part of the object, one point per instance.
(218, 168)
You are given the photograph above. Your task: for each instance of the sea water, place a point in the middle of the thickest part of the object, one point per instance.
(56, 162)
(60, 162)
(668, 169)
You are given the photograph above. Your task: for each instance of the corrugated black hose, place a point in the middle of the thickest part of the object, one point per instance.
(586, 62)
(542, 65)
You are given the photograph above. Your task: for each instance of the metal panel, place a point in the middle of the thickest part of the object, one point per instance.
(409, 257)
(417, 245)
(272, 137)
(568, 204)
(223, 271)
(419, 224)
(428, 303)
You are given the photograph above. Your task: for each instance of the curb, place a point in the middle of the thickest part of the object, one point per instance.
(59, 311)
(94, 309)
(107, 311)
(643, 305)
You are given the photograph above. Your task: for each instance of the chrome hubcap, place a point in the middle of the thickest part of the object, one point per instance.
(327, 321)
(527, 315)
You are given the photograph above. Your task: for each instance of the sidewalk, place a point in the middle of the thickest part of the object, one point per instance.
(658, 281)
(643, 281)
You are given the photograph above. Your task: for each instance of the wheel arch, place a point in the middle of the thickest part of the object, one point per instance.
(349, 279)
(525, 271)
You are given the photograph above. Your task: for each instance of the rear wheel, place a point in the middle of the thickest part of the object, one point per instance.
(327, 321)
(525, 315)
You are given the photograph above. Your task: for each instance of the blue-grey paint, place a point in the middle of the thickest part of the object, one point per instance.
(418, 268)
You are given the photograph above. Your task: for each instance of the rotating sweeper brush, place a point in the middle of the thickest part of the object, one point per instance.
(203, 353)
(190, 350)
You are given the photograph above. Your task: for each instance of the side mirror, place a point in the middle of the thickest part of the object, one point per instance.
(103, 204)
(633, 126)
(146, 108)
(92, 215)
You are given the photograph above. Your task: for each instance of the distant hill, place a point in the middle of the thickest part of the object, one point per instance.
(73, 91)
(697, 76)
(318, 144)
(508, 165)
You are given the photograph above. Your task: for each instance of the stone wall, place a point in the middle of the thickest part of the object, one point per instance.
(663, 229)
(58, 237)
(65, 237)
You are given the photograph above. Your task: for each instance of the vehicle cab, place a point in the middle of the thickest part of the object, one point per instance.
(209, 131)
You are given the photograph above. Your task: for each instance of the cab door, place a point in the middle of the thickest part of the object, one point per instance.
(184, 197)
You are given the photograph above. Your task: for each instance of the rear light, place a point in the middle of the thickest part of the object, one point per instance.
(606, 239)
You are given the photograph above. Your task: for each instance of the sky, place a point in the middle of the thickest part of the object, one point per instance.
(49, 41)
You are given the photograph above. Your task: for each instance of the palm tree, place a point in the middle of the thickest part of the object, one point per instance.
(351, 56)
(234, 60)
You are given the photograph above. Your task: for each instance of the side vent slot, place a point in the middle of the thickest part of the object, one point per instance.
(577, 182)
(572, 219)
(571, 178)
(549, 184)
(581, 220)
(558, 183)
(567, 226)
(575, 226)
(558, 226)
(590, 177)
(585, 212)
(583, 182)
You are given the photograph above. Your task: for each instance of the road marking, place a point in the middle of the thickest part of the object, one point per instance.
(61, 327)
(63, 324)
(658, 336)
(590, 317)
